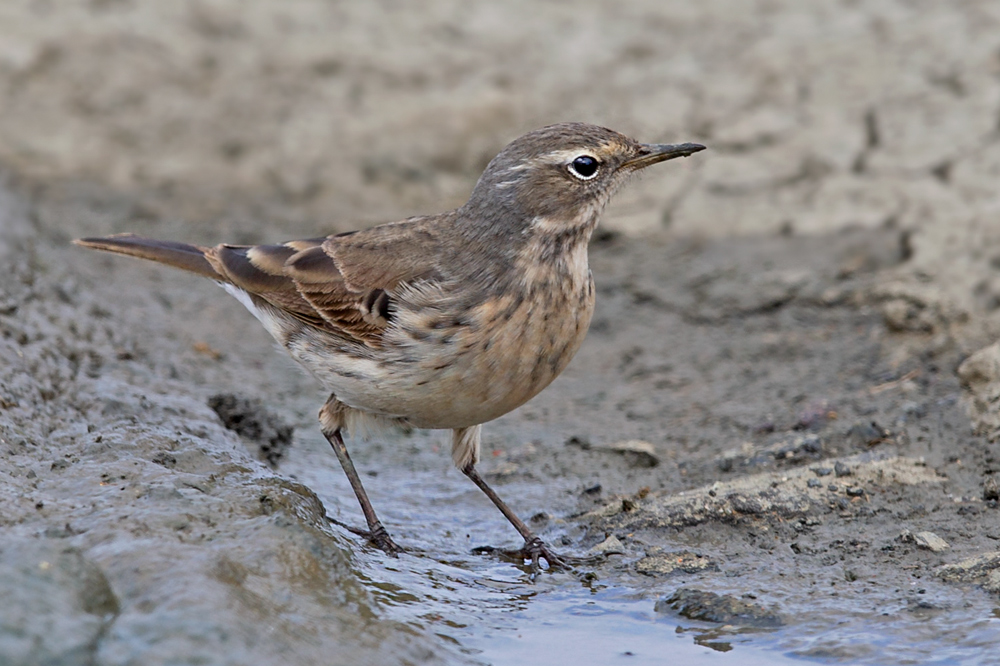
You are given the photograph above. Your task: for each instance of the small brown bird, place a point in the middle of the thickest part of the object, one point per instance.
(445, 321)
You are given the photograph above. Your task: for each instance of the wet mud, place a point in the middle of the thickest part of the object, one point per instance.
(740, 431)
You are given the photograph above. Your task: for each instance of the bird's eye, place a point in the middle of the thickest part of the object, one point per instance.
(584, 167)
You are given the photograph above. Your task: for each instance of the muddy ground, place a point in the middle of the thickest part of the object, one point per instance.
(788, 398)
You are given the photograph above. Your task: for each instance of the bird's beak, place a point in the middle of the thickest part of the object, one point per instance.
(653, 153)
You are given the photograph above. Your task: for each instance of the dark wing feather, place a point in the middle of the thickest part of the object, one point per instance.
(259, 271)
(319, 281)
(342, 283)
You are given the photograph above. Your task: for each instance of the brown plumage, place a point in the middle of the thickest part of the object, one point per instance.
(445, 321)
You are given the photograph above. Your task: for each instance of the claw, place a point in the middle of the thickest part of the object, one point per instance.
(379, 537)
(534, 551)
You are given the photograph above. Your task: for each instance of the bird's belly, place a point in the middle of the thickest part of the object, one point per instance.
(446, 371)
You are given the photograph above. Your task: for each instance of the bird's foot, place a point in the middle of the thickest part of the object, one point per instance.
(535, 550)
(377, 536)
(380, 537)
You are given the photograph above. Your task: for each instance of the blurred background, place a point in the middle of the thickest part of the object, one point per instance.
(327, 115)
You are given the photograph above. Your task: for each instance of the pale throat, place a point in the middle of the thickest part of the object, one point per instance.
(556, 252)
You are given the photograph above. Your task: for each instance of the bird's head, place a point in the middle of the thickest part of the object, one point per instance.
(563, 174)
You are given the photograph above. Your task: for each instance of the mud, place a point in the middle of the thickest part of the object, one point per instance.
(784, 418)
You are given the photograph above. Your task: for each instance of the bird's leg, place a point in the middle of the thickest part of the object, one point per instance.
(376, 533)
(534, 548)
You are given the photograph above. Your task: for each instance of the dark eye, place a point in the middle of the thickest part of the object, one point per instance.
(584, 167)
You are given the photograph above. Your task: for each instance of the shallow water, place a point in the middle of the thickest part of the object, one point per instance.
(499, 613)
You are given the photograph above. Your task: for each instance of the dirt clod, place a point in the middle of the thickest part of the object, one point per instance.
(722, 608)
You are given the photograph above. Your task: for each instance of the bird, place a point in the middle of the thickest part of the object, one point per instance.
(443, 321)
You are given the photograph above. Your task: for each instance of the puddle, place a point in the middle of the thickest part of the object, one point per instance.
(497, 613)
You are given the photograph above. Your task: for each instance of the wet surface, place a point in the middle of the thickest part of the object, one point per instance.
(774, 467)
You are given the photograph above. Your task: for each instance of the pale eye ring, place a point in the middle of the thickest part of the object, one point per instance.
(584, 167)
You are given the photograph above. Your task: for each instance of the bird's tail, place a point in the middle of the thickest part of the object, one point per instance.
(179, 255)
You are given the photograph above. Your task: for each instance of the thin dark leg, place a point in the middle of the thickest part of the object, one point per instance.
(378, 534)
(534, 548)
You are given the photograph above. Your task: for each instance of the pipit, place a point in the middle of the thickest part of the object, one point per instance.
(445, 321)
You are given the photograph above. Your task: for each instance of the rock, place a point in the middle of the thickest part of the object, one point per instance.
(980, 373)
(866, 433)
(723, 608)
(992, 583)
(981, 570)
(842, 469)
(668, 564)
(636, 452)
(991, 491)
(910, 315)
(610, 546)
(771, 495)
(925, 540)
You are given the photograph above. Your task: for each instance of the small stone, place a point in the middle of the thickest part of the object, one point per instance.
(610, 546)
(822, 471)
(992, 583)
(840, 469)
(855, 492)
(814, 483)
(982, 570)
(722, 608)
(991, 491)
(636, 452)
(866, 433)
(930, 541)
(668, 564)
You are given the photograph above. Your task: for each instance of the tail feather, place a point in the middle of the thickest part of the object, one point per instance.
(179, 255)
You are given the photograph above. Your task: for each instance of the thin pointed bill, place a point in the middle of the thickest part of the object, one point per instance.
(653, 153)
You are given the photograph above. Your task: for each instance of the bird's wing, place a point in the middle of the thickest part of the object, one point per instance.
(342, 283)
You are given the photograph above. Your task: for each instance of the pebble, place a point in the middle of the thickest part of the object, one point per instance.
(840, 469)
(930, 541)
(610, 546)
(925, 540)
(991, 491)
(722, 608)
(636, 452)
